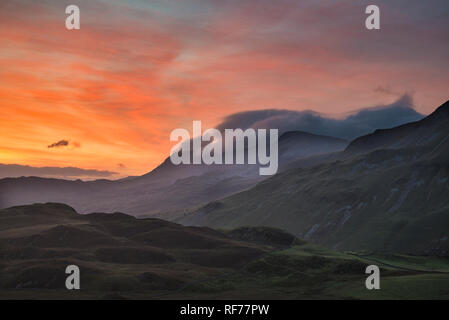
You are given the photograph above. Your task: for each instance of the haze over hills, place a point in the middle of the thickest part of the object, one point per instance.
(15, 171)
(379, 193)
(168, 189)
(387, 191)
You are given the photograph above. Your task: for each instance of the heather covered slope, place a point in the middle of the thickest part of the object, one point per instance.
(387, 191)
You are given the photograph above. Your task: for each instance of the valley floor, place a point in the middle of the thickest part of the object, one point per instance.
(301, 272)
(121, 257)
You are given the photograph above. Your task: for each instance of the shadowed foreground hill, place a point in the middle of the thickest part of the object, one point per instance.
(387, 191)
(123, 257)
(116, 252)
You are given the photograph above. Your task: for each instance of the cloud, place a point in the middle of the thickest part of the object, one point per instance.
(16, 170)
(64, 143)
(168, 62)
(60, 143)
(384, 90)
(352, 126)
(121, 166)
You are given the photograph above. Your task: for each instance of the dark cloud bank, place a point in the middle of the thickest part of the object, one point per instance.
(352, 126)
(15, 170)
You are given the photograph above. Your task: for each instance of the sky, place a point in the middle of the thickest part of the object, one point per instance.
(105, 98)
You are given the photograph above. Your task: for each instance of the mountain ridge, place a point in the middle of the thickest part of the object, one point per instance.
(166, 189)
(377, 196)
(382, 138)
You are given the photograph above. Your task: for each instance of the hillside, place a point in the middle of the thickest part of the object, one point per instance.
(386, 192)
(121, 257)
(168, 189)
(38, 241)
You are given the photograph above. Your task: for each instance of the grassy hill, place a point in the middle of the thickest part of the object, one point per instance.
(122, 257)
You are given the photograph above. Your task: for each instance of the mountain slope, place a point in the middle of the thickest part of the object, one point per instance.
(168, 189)
(387, 191)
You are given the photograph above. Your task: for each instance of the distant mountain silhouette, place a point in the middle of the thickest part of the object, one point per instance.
(295, 145)
(169, 190)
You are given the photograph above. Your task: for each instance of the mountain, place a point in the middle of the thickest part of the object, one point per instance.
(168, 190)
(386, 192)
(121, 257)
(294, 145)
(430, 132)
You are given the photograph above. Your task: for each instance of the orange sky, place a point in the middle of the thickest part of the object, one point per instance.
(137, 70)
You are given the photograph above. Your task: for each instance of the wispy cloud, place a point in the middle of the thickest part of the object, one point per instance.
(15, 170)
(60, 143)
(64, 143)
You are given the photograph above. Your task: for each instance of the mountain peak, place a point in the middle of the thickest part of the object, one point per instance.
(440, 112)
(430, 130)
